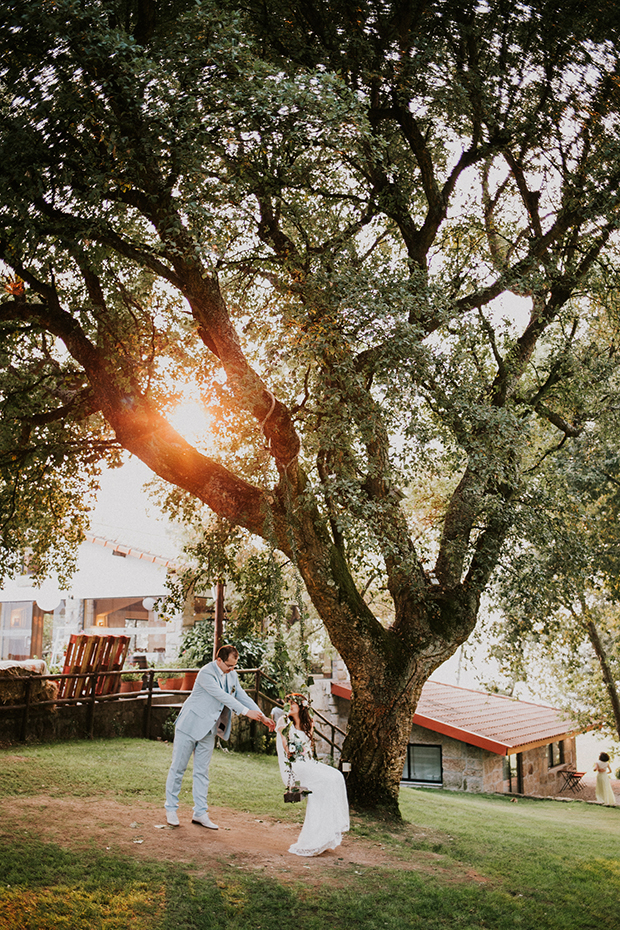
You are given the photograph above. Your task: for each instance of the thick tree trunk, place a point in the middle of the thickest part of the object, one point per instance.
(376, 744)
(385, 696)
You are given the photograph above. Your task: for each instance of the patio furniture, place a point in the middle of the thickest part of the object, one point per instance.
(572, 781)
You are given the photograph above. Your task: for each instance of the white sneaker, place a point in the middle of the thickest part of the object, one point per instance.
(205, 821)
(172, 818)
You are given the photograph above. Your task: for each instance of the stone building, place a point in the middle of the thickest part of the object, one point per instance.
(469, 740)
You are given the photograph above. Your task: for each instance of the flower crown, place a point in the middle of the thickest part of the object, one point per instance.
(302, 700)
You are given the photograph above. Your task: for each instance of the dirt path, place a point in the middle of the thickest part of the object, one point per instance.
(242, 840)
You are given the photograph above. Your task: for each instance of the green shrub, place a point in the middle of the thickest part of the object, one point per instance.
(197, 645)
(197, 650)
(167, 727)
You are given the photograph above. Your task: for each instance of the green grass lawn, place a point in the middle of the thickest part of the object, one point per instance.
(537, 865)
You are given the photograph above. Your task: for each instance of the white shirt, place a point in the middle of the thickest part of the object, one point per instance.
(223, 677)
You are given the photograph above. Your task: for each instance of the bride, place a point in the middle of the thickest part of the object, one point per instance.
(327, 811)
(604, 791)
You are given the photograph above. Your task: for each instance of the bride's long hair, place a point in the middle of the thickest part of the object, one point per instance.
(305, 718)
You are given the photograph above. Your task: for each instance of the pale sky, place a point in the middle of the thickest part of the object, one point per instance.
(126, 514)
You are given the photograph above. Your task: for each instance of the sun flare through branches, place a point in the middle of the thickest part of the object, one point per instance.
(196, 424)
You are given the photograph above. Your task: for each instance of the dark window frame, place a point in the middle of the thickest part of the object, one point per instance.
(409, 765)
(513, 772)
(556, 754)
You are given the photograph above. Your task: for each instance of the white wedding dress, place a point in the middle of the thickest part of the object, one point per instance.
(327, 810)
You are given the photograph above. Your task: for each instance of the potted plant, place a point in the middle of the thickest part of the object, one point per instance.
(189, 679)
(196, 651)
(171, 682)
(131, 679)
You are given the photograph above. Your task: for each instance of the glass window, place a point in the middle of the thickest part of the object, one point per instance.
(16, 630)
(556, 753)
(423, 764)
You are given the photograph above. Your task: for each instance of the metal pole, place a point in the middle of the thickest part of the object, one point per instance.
(149, 704)
(219, 618)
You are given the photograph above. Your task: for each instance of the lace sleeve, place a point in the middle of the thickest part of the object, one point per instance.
(281, 750)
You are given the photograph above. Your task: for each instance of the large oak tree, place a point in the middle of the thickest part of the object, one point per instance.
(558, 590)
(367, 231)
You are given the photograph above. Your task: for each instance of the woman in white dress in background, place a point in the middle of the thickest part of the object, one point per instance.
(604, 793)
(327, 811)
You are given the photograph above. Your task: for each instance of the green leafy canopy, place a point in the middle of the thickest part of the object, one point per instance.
(378, 241)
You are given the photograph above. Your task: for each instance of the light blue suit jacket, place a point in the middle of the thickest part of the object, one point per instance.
(202, 709)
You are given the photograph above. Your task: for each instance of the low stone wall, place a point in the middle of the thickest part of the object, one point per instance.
(125, 716)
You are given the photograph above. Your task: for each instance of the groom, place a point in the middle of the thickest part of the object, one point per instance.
(205, 715)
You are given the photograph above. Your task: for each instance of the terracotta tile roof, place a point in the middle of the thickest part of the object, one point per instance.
(500, 724)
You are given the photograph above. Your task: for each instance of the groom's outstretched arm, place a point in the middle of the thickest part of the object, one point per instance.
(253, 711)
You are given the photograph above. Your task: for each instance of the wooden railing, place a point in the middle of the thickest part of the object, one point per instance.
(331, 741)
(101, 688)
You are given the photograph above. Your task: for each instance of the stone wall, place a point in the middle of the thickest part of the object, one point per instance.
(337, 712)
(470, 768)
(538, 778)
(465, 767)
(123, 717)
(493, 773)
(72, 721)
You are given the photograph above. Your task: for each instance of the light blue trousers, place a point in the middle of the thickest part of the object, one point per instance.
(182, 749)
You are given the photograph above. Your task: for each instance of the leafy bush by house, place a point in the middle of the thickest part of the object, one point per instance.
(197, 650)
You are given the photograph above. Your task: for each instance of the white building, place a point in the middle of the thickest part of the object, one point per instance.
(113, 591)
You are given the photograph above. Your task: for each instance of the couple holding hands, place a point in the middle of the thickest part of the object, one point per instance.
(207, 713)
